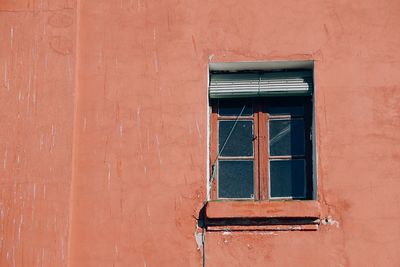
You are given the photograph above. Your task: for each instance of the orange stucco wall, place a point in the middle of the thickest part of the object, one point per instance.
(37, 65)
(103, 138)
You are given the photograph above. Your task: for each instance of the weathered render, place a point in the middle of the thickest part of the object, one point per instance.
(104, 128)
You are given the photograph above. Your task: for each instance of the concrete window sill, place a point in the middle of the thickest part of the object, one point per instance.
(263, 209)
(262, 215)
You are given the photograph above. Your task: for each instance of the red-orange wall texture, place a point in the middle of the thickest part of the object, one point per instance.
(104, 127)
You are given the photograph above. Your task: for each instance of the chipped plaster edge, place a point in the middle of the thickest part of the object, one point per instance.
(208, 135)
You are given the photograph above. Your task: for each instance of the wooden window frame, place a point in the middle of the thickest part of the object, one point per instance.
(261, 149)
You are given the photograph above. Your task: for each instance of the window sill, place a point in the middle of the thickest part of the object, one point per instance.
(262, 215)
(263, 209)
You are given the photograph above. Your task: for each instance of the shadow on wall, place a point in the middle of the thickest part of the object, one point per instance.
(209, 224)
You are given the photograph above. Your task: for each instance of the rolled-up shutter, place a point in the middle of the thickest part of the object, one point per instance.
(227, 85)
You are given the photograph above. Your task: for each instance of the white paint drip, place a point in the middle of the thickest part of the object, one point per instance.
(148, 140)
(198, 129)
(34, 97)
(41, 142)
(138, 115)
(120, 129)
(148, 210)
(34, 191)
(12, 36)
(53, 137)
(33, 204)
(116, 250)
(6, 80)
(155, 50)
(55, 223)
(21, 219)
(69, 68)
(156, 62)
(109, 177)
(29, 89)
(158, 150)
(5, 159)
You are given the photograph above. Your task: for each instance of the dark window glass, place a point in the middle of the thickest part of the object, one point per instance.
(236, 138)
(286, 137)
(293, 106)
(235, 179)
(233, 107)
(287, 178)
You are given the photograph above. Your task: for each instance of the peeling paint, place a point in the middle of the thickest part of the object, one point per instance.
(330, 221)
(226, 232)
(199, 240)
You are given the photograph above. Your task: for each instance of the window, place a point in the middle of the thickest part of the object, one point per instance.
(261, 135)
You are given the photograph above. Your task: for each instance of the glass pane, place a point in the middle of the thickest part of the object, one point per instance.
(235, 106)
(236, 139)
(285, 106)
(235, 179)
(287, 178)
(286, 137)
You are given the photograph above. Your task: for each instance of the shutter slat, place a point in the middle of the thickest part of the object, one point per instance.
(263, 84)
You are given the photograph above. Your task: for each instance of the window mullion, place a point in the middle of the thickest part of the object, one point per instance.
(263, 152)
(256, 151)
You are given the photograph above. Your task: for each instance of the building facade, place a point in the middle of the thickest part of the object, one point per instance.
(106, 133)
